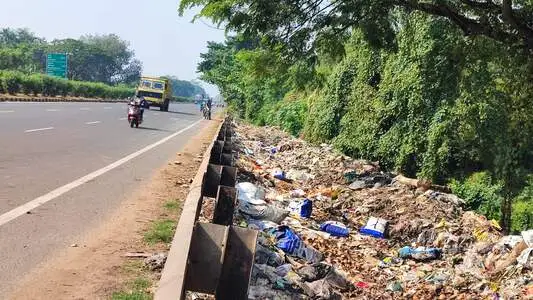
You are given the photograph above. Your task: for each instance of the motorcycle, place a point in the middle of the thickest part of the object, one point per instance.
(134, 115)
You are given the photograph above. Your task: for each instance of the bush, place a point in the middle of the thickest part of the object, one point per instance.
(522, 217)
(289, 114)
(50, 87)
(32, 85)
(12, 82)
(480, 194)
(2, 91)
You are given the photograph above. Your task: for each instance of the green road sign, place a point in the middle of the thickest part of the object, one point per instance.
(56, 64)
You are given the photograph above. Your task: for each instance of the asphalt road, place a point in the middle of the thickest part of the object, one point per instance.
(59, 161)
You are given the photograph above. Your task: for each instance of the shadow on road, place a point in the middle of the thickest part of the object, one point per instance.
(183, 113)
(177, 112)
(153, 129)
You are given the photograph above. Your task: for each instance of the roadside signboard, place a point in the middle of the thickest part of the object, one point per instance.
(57, 64)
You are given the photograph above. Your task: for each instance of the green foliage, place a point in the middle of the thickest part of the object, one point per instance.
(289, 114)
(137, 291)
(11, 82)
(326, 113)
(14, 82)
(32, 84)
(522, 218)
(185, 89)
(480, 194)
(161, 231)
(104, 58)
(303, 25)
(419, 97)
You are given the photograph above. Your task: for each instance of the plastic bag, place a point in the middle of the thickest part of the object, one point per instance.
(250, 193)
(263, 212)
(288, 241)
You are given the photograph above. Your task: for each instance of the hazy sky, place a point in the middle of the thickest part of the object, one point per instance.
(163, 41)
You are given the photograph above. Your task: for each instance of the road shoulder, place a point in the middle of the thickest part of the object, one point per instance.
(94, 268)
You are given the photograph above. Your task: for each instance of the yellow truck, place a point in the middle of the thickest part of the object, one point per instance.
(156, 91)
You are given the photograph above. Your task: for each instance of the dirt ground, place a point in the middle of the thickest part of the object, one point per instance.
(95, 269)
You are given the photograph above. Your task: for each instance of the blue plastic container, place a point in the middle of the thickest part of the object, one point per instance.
(375, 227)
(335, 228)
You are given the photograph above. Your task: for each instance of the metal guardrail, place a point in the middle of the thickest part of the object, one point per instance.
(212, 258)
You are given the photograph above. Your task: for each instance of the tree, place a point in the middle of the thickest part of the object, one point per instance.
(187, 89)
(426, 101)
(99, 58)
(14, 37)
(298, 24)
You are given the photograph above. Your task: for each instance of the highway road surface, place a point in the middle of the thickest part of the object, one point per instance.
(68, 164)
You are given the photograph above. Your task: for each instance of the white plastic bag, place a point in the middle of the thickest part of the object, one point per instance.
(250, 193)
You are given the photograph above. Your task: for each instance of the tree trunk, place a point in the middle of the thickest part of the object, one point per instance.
(506, 210)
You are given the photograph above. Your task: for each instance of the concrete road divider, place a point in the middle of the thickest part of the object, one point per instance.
(48, 99)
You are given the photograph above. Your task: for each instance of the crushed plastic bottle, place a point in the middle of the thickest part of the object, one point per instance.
(420, 253)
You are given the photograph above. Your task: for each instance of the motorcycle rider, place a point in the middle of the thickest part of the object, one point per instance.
(142, 104)
(209, 104)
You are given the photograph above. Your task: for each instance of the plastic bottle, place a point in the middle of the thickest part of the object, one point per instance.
(335, 228)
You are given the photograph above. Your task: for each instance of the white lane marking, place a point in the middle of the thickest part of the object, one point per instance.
(122, 119)
(108, 107)
(38, 129)
(6, 111)
(85, 108)
(92, 123)
(52, 109)
(33, 204)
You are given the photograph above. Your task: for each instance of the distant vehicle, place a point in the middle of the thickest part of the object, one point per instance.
(156, 91)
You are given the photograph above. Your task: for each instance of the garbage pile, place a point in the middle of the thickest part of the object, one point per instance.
(333, 227)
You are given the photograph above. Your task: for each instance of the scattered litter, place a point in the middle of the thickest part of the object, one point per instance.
(288, 241)
(302, 209)
(156, 261)
(278, 174)
(250, 193)
(299, 193)
(420, 254)
(409, 238)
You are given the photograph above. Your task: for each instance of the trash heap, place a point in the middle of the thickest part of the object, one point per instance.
(332, 227)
